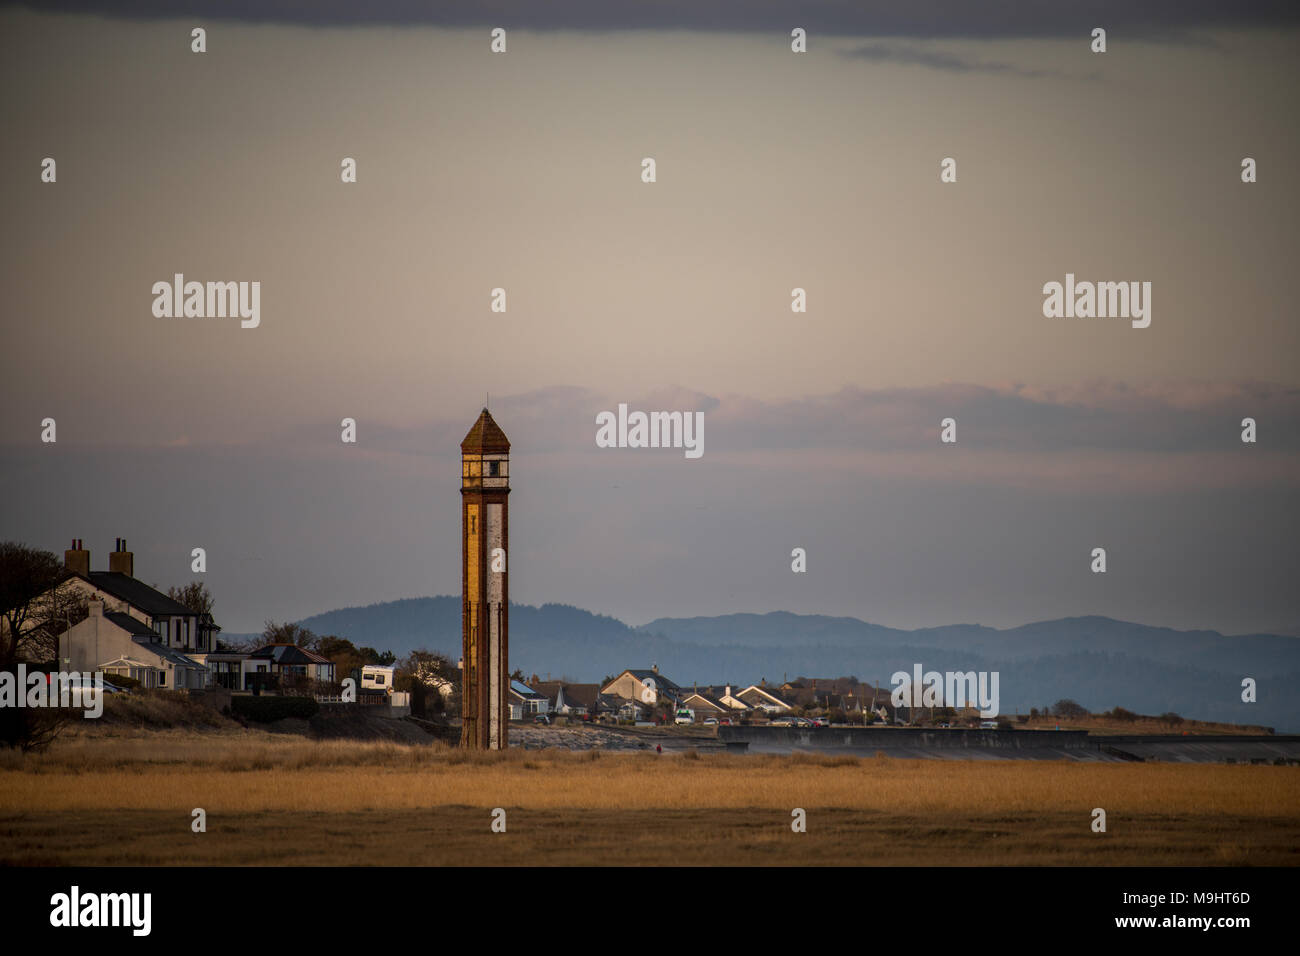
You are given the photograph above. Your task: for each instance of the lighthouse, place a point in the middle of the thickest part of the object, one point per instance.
(485, 598)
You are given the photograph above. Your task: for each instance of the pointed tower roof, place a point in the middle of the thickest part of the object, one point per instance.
(486, 437)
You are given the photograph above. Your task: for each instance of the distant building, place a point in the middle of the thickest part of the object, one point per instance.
(762, 698)
(645, 687)
(282, 661)
(571, 700)
(525, 702)
(703, 706)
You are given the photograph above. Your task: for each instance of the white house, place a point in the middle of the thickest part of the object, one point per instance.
(117, 643)
(172, 644)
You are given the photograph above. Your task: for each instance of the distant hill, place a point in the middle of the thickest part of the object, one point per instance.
(1098, 661)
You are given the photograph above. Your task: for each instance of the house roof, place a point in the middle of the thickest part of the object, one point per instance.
(575, 695)
(124, 662)
(136, 593)
(129, 624)
(659, 679)
(159, 649)
(526, 692)
(486, 437)
(755, 692)
(699, 700)
(288, 654)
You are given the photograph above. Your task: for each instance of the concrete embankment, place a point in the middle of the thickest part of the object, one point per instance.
(963, 744)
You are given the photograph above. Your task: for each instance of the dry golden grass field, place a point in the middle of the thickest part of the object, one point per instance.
(281, 799)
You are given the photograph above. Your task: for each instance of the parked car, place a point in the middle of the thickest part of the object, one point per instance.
(86, 681)
(803, 722)
(684, 716)
(988, 725)
(542, 719)
(821, 722)
(710, 721)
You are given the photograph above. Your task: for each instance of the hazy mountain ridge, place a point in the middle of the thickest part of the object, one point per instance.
(1099, 661)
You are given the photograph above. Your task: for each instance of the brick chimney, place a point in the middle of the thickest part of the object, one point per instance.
(121, 559)
(77, 559)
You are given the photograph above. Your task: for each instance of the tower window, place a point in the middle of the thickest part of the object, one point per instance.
(494, 468)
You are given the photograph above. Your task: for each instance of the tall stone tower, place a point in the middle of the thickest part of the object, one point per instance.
(485, 598)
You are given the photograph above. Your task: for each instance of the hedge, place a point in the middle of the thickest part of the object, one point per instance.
(265, 709)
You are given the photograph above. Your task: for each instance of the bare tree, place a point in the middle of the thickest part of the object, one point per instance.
(289, 633)
(194, 596)
(432, 680)
(35, 606)
(1069, 708)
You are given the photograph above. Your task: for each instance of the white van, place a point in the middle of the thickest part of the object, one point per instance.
(685, 716)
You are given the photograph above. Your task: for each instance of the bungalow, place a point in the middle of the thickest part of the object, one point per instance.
(760, 698)
(281, 661)
(704, 707)
(525, 702)
(572, 700)
(644, 687)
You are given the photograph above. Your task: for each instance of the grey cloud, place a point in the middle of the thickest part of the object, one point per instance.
(919, 18)
(938, 60)
(1103, 416)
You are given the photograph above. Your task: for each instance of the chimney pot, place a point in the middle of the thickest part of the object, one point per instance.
(77, 559)
(122, 560)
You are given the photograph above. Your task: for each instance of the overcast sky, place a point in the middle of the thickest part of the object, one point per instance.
(775, 170)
